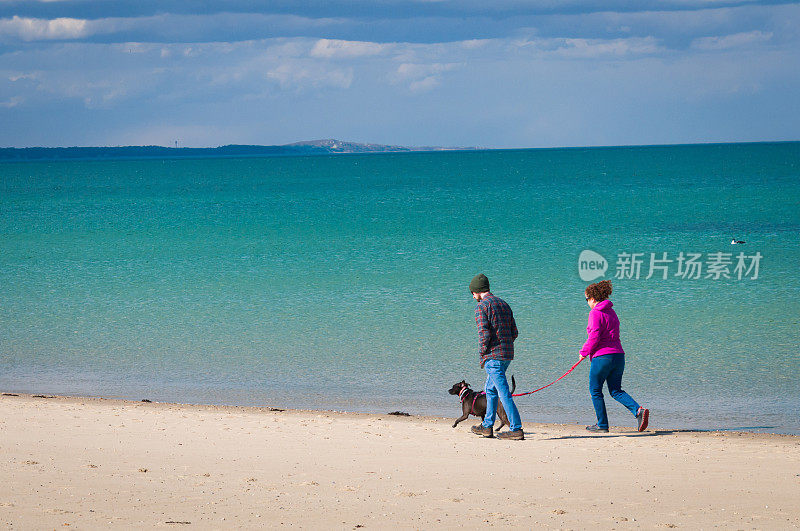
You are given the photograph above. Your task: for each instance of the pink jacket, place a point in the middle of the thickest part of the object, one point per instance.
(603, 330)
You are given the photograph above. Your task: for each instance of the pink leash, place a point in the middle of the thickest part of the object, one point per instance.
(551, 383)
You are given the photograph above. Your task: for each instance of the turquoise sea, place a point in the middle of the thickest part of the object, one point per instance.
(340, 282)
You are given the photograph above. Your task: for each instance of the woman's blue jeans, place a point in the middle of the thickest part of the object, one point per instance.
(608, 369)
(497, 387)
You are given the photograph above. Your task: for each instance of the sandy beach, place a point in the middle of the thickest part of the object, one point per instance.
(90, 463)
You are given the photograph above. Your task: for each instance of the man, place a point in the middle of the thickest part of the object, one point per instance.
(496, 334)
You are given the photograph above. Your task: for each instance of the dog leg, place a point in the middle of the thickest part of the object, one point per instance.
(465, 410)
(503, 419)
(501, 414)
(465, 416)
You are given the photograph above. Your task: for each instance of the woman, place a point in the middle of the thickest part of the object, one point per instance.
(608, 359)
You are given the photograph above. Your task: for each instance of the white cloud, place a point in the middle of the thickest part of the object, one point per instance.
(310, 75)
(587, 48)
(412, 70)
(421, 77)
(12, 102)
(35, 29)
(20, 77)
(327, 48)
(736, 40)
(425, 84)
(592, 48)
(474, 44)
(169, 27)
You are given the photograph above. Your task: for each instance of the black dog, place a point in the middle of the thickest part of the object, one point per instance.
(474, 403)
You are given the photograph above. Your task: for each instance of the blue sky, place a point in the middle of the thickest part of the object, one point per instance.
(505, 73)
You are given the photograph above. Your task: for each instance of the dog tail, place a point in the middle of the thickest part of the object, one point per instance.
(513, 384)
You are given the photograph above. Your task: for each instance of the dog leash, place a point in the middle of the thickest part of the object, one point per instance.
(551, 383)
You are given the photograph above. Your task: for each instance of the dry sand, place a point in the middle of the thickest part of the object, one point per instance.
(91, 463)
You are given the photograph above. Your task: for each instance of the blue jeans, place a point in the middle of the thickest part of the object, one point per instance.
(497, 386)
(609, 369)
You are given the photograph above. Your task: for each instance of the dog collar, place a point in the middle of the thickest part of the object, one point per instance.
(463, 393)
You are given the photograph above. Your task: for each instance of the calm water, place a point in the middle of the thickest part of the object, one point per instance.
(341, 282)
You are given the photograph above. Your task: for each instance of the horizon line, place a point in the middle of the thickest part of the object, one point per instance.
(309, 143)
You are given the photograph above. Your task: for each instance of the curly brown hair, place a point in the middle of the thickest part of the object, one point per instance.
(600, 291)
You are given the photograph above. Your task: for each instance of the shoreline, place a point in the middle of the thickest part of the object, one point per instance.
(432, 417)
(97, 463)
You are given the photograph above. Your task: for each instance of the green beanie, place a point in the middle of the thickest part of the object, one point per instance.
(479, 284)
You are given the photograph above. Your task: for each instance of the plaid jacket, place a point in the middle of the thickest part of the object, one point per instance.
(497, 329)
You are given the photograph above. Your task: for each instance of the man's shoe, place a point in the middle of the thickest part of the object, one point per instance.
(516, 435)
(597, 429)
(478, 429)
(643, 417)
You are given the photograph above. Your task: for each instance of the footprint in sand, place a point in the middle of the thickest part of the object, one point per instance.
(59, 511)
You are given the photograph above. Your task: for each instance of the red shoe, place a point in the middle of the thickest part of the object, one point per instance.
(643, 417)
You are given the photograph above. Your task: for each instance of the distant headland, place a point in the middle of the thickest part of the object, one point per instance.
(310, 147)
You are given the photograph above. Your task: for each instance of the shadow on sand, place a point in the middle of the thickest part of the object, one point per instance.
(656, 433)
